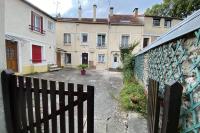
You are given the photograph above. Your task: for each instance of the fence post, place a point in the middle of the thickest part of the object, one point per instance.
(153, 106)
(6, 76)
(90, 109)
(172, 104)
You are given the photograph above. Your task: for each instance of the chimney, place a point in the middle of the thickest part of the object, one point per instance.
(79, 13)
(135, 11)
(111, 11)
(94, 12)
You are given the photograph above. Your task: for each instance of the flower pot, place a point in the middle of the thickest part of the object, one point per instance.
(83, 72)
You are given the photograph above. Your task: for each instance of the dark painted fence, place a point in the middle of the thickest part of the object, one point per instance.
(31, 104)
(163, 113)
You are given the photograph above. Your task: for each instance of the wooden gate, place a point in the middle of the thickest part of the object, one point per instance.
(34, 105)
(163, 113)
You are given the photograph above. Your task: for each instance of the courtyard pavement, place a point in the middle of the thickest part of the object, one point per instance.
(109, 118)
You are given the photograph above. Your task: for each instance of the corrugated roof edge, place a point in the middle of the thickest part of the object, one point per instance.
(191, 23)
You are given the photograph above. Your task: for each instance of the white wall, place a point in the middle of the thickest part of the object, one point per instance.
(2, 65)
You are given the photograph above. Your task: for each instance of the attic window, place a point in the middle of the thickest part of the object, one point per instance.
(125, 21)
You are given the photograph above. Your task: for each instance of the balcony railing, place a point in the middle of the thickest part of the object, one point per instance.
(33, 28)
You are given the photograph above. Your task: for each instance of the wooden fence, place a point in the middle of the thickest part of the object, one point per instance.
(31, 105)
(163, 113)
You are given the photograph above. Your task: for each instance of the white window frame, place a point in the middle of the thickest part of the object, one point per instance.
(101, 40)
(101, 58)
(166, 22)
(69, 38)
(52, 28)
(121, 40)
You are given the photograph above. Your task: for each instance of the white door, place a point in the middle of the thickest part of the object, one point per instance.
(115, 61)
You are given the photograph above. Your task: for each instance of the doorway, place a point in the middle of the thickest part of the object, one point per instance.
(12, 55)
(85, 58)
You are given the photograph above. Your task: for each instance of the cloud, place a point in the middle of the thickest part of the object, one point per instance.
(50, 6)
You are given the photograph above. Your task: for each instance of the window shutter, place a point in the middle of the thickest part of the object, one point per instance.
(41, 22)
(32, 20)
(36, 54)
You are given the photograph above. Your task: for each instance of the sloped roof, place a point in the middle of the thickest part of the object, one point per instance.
(126, 20)
(84, 20)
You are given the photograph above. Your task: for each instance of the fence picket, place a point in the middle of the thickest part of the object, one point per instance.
(62, 107)
(45, 106)
(29, 104)
(71, 107)
(90, 109)
(80, 108)
(37, 105)
(22, 99)
(53, 106)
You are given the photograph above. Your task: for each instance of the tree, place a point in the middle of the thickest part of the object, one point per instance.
(174, 8)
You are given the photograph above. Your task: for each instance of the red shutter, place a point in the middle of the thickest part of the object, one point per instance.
(36, 54)
(41, 23)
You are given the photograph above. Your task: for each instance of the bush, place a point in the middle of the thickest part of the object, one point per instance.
(132, 97)
(83, 66)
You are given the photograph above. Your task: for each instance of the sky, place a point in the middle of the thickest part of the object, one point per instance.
(68, 8)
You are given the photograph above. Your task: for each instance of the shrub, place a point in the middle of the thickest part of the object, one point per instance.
(83, 66)
(132, 97)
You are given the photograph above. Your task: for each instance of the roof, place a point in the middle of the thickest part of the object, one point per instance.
(84, 20)
(114, 20)
(165, 17)
(186, 26)
(125, 20)
(38, 9)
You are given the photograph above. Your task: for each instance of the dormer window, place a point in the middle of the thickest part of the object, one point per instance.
(36, 23)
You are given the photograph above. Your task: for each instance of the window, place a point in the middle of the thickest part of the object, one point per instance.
(101, 58)
(67, 38)
(36, 54)
(156, 22)
(84, 37)
(101, 40)
(50, 25)
(37, 22)
(167, 23)
(124, 40)
(145, 42)
(67, 58)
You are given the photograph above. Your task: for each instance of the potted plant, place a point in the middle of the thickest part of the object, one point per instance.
(83, 67)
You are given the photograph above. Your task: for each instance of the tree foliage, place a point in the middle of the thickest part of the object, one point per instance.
(174, 8)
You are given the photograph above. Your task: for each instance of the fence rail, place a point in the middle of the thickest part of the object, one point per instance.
(37, 105)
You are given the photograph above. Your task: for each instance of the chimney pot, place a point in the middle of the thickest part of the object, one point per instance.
(135, 11)
(111, 11)
(94, 12)
(80, 13)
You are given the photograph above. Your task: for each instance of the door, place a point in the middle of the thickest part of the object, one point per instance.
(115, 62)
(84, 58)
(59, 59)
(11, 55)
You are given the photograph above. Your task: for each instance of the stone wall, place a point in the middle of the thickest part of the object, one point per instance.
(177, 60)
